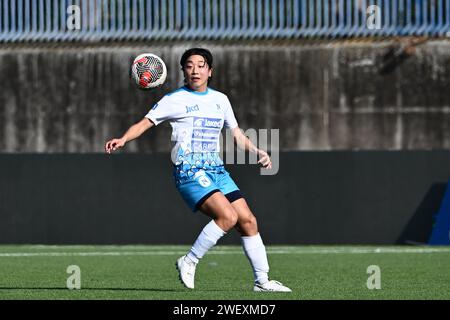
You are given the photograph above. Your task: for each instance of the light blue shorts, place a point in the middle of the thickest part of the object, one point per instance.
(196, 189)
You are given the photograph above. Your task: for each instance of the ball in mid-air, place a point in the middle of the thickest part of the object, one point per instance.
(148, 71)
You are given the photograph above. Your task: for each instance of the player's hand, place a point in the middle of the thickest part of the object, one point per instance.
(264, 159)
(114, 144)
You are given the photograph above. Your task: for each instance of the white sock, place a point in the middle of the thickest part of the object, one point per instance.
(209, 236)
(256, 253)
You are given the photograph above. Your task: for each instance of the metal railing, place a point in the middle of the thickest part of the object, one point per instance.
(119, 20)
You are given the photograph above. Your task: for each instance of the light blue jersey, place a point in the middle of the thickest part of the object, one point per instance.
(197, 119)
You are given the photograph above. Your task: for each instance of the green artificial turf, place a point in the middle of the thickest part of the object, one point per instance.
(148, 272)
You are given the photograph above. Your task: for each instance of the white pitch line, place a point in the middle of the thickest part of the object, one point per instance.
(82, 254)
(230, 252)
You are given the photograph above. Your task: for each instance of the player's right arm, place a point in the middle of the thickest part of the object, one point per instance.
(132, 133)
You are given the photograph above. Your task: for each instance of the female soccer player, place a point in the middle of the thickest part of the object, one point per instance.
(197, 114)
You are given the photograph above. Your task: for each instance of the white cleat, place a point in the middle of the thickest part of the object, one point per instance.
(271, 286)
(186, 270)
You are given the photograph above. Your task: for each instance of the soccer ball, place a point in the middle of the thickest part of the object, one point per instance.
(148, 71)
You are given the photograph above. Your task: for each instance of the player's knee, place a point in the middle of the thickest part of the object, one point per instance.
(249, 223)
(252, 221)
(230, 218)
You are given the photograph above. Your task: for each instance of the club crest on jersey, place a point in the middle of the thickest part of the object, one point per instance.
(202, 179)
(192, 108)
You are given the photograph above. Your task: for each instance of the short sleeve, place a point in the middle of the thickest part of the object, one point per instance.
(161, 111)
(230, 120)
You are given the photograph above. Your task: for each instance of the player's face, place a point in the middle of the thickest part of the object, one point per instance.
(196, 72)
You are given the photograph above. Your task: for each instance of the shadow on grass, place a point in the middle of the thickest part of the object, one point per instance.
(92, 289)
(115, 289)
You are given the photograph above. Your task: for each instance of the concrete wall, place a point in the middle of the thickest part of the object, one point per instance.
(322, 96)
(317, 197)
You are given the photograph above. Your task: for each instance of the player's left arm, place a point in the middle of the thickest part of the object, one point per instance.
(244, 143)
(241, 139)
